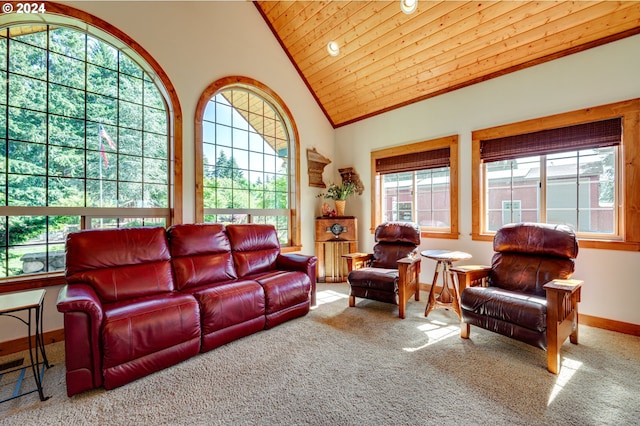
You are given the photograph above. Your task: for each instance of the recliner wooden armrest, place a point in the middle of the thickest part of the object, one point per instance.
(357, 260)
(409, 281)
(409, 270)
(470, 276)
(562, 317)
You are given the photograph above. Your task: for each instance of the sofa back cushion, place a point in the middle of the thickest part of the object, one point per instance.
(255, 248)
(528, 255)
(201, 254)
(120, 264)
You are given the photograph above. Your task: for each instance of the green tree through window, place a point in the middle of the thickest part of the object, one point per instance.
(83, 143)
(246, 161)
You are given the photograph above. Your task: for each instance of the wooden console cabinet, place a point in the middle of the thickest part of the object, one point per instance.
(335, 236)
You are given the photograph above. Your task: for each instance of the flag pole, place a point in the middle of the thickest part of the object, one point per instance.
(100, 161)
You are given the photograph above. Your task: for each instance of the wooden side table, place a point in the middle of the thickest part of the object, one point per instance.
(444, 261)
(31, 302)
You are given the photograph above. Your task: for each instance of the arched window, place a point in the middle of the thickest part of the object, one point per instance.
(85, 138)
(247, 149)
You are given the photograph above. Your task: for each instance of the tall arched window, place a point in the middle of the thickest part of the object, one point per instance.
(248, 164)
(85, 138)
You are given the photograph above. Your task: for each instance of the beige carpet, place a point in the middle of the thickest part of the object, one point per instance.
(363, 366)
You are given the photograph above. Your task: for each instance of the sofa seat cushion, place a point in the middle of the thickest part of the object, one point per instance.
(284, 289)
(527, 311)
(287, 295)
(143, 326)
(222, 306)
(230, 310)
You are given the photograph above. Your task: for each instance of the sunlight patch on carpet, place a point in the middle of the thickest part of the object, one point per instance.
(328, 296)
(567, 370)
(436, 331)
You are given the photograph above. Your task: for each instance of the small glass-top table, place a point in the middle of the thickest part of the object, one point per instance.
(32, 302)
(447, 298)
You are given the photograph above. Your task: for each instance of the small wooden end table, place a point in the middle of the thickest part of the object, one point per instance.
(444, 261)
(32, 302)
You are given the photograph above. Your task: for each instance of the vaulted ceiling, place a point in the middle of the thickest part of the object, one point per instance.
(388, 59)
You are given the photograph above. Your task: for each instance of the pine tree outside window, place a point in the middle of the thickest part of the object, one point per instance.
(84, 143)
(248, 159)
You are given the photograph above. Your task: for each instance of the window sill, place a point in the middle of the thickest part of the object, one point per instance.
(443, 235)
(290, 249)
(29, 282)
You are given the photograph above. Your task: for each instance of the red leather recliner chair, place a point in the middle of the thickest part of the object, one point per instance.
(526, 294)
(391, 273)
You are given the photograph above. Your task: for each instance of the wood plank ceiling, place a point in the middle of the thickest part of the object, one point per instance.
(389, 59)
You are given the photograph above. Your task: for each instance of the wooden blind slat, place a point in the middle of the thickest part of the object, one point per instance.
(596, 134)
(415, 161)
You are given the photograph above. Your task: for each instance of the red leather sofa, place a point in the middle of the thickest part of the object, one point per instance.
(138, 300)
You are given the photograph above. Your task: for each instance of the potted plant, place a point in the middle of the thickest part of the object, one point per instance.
(339, 193)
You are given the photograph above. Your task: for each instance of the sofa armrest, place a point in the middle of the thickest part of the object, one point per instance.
(303, 263)
(80, 297)
(297, 262)
(357, 260)
(83, 317)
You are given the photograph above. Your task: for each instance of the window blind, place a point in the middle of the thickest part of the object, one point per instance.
(415, 161)
(596, 134)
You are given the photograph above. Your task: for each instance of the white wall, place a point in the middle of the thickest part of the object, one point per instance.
(594, 77)
(197, 43)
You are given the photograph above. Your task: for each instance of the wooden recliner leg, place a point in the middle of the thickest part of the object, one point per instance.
(465, 329)
(464, 277)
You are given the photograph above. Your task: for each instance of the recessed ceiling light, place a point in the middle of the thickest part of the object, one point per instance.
(333, 48)
(408, 6)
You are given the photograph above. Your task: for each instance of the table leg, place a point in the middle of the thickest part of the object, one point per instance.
(40, 337)
(35, 364)
(445, 294)
(446, 299)
(431, 301)
(456, 294)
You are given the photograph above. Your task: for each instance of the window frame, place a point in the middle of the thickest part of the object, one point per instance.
(450, 142)
(294, 152)
(627, 174)
(63, 15)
